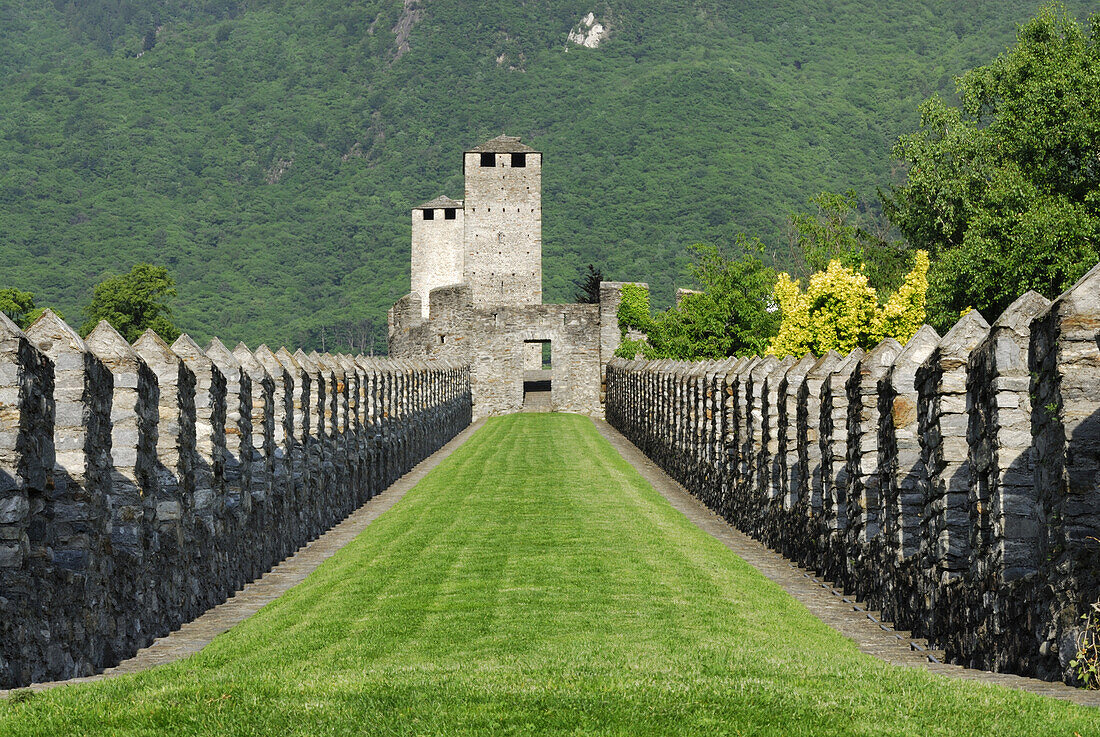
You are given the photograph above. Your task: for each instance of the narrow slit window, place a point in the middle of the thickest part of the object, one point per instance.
(519, 161)
(488, 160)
(449, 213)
(429, 214)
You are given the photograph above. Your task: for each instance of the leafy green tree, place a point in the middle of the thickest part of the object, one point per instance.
(588, 286)
(840, 310)
(1004, 190)
(134, 302)
(19, 306)
(859, 240)
(729, 316)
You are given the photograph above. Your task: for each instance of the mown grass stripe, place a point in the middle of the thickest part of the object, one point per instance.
(533, 583)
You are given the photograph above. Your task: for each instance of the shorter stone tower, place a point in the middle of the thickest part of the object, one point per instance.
(503, 227)
(437, 246)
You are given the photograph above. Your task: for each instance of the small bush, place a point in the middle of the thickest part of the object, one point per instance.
(20, 695)
(1086, 664)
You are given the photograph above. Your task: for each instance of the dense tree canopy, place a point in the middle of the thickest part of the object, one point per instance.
(729, 315)
(267, 152)
(17, 305)
(20, 307)
(843, 230)
(134, 302)
(1003, 189)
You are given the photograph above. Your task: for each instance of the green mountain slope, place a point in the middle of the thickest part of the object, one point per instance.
(268, 152)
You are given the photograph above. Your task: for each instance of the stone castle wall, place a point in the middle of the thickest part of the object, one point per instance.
(503, 229)
(141, 485)
(499, 344)
(953, 483)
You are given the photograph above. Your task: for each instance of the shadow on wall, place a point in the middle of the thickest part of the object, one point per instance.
(124, 510)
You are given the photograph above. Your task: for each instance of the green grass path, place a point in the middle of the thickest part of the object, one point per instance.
(534, 584)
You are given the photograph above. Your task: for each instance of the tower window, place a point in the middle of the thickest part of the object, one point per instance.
(488, 159)
(519, 161)
(449, 213)
(429, 214)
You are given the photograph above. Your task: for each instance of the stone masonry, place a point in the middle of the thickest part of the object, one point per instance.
(951, 483)
(477, 293)
(141, 485)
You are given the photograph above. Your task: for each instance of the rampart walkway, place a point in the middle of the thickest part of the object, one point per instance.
(852, 619)
(533, 583)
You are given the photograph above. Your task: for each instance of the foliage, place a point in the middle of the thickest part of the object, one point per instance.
(839, 311)
(132, 303)
(268, 152)
(906, 310)
(1086, 661)
(729, 316)
(588, 286)
(633, 312)
(634, 318)
(535, 584)
(17, 305)
(1003, 190)
(20, 308)
(855, 236)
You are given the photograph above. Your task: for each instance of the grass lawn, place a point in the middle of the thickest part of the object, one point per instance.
(535, 584)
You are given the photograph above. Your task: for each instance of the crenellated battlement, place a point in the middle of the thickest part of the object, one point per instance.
(141, 485)
(953, 483)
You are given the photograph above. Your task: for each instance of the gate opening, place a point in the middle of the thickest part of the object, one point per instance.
(537, 376)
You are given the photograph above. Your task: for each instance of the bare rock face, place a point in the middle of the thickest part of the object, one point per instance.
(157, 479)
(589, 32)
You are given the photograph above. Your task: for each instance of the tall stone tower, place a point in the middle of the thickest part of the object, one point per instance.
(503, 223)
(437, 246)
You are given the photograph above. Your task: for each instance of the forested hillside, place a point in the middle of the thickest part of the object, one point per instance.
(267, 151)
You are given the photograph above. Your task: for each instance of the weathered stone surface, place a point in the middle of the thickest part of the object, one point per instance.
(809, 428)
(900, 458)
(26, 462)
(74, 538)
(133, 462)
(164, 496)
(865, 477)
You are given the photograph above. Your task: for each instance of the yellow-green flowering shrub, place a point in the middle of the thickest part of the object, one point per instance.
(905, 311)
(839, 311)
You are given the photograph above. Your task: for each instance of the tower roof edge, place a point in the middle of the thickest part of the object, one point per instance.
(503, 144)
(441, 201)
